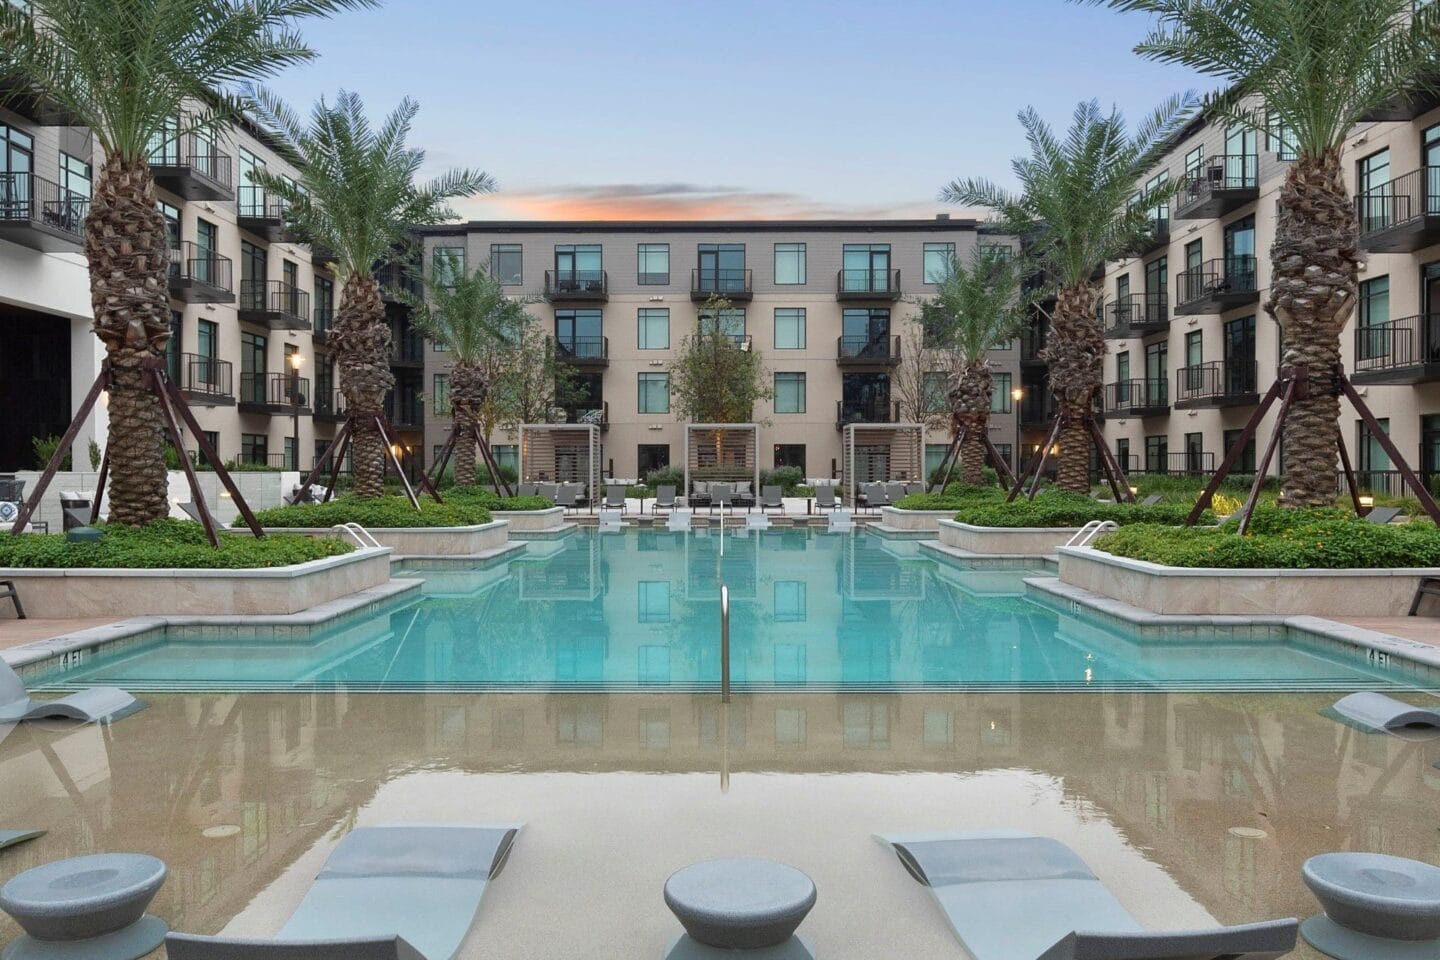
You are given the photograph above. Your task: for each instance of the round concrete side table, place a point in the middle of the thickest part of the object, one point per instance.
(1377, 907)
(745, 905)
(85, 908)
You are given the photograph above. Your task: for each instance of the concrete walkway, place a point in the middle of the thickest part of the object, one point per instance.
(1419, 629)
(15, 632)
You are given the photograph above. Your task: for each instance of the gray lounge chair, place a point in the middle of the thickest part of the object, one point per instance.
(771, 498)
(1378, 713)
(615, 497)
(1382, 515)
(1010, 895)
(88, 706)
(911, 488)
(8, 838)
(394, 892)
(527, 489)
(664, 497)
(547, 490)
(721, 495)
(1151, 500)
(825, 498)
(565, 496)
(894, 493)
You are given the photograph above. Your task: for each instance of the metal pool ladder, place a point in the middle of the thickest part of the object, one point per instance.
(724, 645)
(1090, 531)
(361, 535)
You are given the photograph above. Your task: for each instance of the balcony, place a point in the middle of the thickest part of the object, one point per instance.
(1137, 315)
(274, 304)
(734, 285)
(408, 351)
(577, 286)
(1403, 215)
(1219, 383)
(1157, 239)
(1037, 408)
(329, 406)
(1190, 463)
(407, 415)
(867, 285)
(590, 415)
(878, 351)
(398, 281)
(193, 169)
(1137, 398)
(583, 351)
(1032, 341)
(207, 381)
(1407, 106)
(1216, 286)
(324, 318)
(270, 393)
(875, 411)
(261, 214)
(1406, 350)
(1224, 184)
(198, 275)
(36, 213)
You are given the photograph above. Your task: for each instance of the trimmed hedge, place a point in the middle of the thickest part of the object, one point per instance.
(490, 500)
(1322, 539)
(955, 497)
(165, 543)
(380, 513)
(1058, 508)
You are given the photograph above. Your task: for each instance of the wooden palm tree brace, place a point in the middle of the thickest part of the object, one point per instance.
(1293, 383)
(438, 469)
(335, 456)
(958, 435)
(1113, 472)
(171, 401)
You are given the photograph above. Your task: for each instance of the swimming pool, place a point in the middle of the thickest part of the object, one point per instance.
(809, 610)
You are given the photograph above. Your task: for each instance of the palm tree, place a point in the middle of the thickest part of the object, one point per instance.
(356, 199)
(1318, 67)
(973, 308)
(138, 73)
(1075, 210)
(472, 318)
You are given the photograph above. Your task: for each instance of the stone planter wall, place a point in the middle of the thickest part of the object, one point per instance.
(1028, 541)
(170, 592)
(424, 541)
(1216, 592)
(914, 519)
(528, 520)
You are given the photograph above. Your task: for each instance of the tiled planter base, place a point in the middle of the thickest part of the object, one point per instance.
(425, 541)
(1028, 541)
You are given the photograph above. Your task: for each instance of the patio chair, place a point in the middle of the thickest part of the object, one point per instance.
(611, 520)
(9, 838)
(873, 494)
(744, 496)
(1010, 895)
(1382, 515)
(679, 519)
(771, 497)
(894, 493)
(526, 489)
(615, 497)
(547, 490)
(393, 892)
(914, 487)
(842, 520)
(757, 521)
(566, 497)
(87, 706)
(665, 497)
(825, 499)
(722, 495)
(699, 494)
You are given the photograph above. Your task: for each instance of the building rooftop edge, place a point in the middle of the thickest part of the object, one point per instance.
(693, 226)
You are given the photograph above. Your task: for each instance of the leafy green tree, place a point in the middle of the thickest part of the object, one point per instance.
(717, 378)
(1317, 67)
(356, 198)
(1075, 211)
(140, 73)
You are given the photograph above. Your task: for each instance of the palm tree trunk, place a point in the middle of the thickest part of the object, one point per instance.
(126, 246)
(1075, 351)
(360, 338)
(468, 391)
(1315, 262)
(970, 400)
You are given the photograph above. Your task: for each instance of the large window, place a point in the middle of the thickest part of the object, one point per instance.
(654, 393)
(579, 333)
(1373, 458)
(1377, 204)
(449, 263)
(721, 268)
(324, 303)
(507, 263)
(1246, 461)
(789, 264)
(789, 328)
(939, 261)
(865, 267)
(1376, 336)
(1157, 454)
(653, 263)
(1194, 160)
(254, 448)
(171, 215)
(789, 393)
(654, 328)
(934, 392)
(578, 266)
(75, 176)
(440, 395)
(1000, 397)
(1280, 139)
(730, 322)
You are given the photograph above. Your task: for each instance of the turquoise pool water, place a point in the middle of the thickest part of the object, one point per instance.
(641, 609)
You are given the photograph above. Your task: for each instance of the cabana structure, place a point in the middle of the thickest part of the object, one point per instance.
(722, 452)
(882, 452)
(561, 453)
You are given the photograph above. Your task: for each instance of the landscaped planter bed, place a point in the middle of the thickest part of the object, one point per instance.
(131, 592)
(425, 541)
(530, 520)
(1031, 541)
(898, 519)
(1209, 591)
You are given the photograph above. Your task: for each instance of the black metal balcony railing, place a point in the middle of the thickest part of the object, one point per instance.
(405, 414)
(1215, 382)
(206, 376)
(329, 404)
(1158, 236)
(1138, 313)
(1136, 397)
(256, 203)
(28, 199)
(1032, 341)
(1220, 185)
(868, 411)
(864, 283)
(1402, 201)
(731, 284)
(274, 390)
(1181, 463)
(881, 348)
(192, 153)
(1404, 347)
(192, 263)
(1037, 407)
(576, 284)
(583, 349)
(1219, 282)
(408, 349)
(274, 297)
(590, 414)
(398, 277)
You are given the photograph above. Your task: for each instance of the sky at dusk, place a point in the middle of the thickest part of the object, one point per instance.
(637, 109)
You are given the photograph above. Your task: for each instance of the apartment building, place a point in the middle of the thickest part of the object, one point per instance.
(829, 304)
(1192, 350)
(250, 309)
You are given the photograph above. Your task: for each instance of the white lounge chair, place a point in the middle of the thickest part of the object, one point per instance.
(679, 519)
(842, 520)
(757, 521)
(87, 706)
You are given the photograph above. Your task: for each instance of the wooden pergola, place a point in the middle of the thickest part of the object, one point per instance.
(561, 453)
(727, 452)
(882, 452)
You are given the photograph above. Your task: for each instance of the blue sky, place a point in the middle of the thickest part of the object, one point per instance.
(639, 108)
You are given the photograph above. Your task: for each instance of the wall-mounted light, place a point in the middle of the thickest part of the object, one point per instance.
(1017, 393)
(1366, 500)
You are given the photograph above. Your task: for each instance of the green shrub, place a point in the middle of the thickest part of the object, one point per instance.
(379, 513)
(955, 497)
(992, 479)
(490, 500)
(1059, 508)
(44, 448)
(668, 476)
(788, 479)
(1187, 489)
(1278, 537)
(165, 543)
(244, 466)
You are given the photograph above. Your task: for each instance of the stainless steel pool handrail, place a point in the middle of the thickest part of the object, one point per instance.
(724, 644)
(361, 535)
